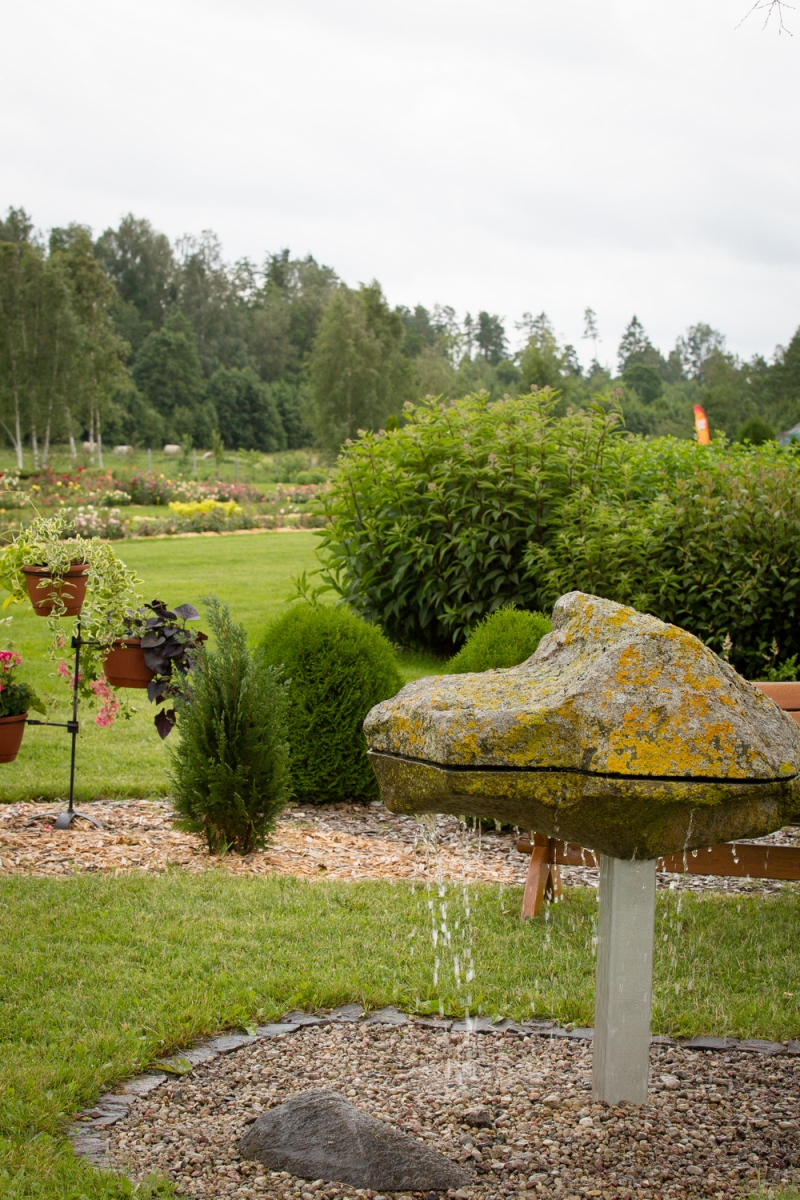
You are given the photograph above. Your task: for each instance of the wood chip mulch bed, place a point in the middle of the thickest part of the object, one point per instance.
(338, 841)
(343, 841)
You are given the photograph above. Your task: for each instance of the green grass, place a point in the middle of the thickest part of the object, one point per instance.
(98, 975)
(257, 469)
(101, 975)
(251, 573)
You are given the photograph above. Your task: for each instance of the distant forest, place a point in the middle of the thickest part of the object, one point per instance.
(128, 338)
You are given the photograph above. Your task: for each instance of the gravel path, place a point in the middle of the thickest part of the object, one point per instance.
(515, 1109)
(339, 841)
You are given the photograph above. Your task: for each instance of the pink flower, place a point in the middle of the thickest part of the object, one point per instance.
(63, 670)
(110, 707)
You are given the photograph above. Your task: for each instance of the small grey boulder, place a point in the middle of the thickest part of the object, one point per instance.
(320, 1135)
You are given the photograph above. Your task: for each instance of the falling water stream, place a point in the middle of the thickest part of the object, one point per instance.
(450, 920)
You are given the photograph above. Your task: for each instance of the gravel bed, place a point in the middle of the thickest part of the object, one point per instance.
(515, 1109)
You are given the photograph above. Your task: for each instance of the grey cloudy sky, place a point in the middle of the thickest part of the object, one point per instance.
(517, 155)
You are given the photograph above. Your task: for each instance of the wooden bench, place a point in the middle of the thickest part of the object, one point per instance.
(548, 855)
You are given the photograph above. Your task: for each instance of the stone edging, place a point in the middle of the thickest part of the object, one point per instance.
(86, 1134)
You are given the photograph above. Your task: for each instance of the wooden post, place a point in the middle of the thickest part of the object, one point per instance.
(543, 881)
(537, 877)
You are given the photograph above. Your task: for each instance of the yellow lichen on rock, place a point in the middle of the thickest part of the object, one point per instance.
(610, 690)
(621, 732)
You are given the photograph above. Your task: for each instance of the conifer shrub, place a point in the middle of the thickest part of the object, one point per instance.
(503, 639)
(230, 770)
(338, 667)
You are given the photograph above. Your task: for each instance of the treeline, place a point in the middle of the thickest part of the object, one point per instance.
(128, 338)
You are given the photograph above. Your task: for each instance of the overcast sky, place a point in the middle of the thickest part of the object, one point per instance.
(516, 155)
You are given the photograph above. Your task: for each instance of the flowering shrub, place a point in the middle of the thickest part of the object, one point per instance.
(159, 490)
(242, 493)
(192, 508)
(12, 496)
(214, 520)
(16, 697)
(109, 706)
(150, 489)
(88, 522)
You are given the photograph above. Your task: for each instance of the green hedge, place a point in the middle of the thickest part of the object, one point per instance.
(337, 667)
(472, 505)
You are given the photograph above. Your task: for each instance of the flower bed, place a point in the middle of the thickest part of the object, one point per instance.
(88, 521)
(151, 489)
(49, 490)
(95, 504)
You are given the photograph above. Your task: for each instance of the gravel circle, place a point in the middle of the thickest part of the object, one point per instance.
(516, 1110)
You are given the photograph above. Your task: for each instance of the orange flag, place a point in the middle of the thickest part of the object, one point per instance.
(701, 425)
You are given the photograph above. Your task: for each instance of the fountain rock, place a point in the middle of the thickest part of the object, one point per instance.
(621, 733)
(320, 1135)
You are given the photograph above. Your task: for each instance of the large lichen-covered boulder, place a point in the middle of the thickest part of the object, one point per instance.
(621, 733)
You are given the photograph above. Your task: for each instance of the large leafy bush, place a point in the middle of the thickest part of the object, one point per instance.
(474, 505)
(338, 667)
(715, 551)
(503, 639)
(430, 523)
(230, 771)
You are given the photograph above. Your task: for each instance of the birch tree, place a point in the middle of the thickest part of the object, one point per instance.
(96, 366)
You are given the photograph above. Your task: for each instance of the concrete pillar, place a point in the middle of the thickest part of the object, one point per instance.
(624, 990)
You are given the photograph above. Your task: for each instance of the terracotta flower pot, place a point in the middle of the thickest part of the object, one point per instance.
(124, 665)
(69, 587)
(11, 731)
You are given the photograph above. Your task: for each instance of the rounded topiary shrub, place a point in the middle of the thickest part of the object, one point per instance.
(337, 667)
(503, 639)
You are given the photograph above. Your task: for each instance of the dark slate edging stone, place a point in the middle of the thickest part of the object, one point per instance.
(86, 1134)
(387, 1016)
(757, 1047)
(710, 1043)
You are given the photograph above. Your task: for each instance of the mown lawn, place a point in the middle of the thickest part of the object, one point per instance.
(250, 572)
(100, 975)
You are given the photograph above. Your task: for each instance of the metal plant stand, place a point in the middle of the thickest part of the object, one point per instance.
(65, 819)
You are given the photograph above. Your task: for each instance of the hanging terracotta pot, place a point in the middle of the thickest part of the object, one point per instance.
(69, 587)
(11, 731)
(124, 665)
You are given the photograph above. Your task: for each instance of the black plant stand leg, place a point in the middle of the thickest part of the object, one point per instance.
(65, 819)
